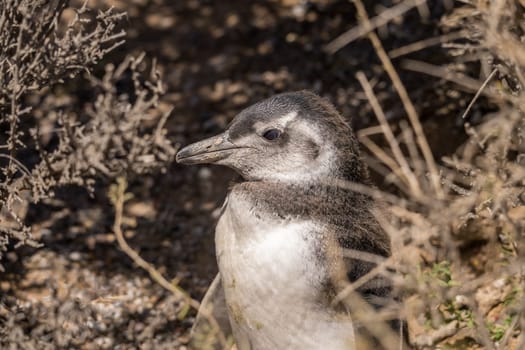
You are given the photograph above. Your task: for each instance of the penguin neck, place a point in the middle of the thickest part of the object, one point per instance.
(304, 198)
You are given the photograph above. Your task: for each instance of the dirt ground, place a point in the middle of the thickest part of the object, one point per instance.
(79, 290)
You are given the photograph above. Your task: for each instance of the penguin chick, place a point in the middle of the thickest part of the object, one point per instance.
(284, 229)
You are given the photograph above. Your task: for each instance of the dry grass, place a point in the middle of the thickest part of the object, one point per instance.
(458, 242)
(457, 223)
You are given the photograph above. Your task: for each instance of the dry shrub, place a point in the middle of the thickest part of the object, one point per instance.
(120, 132)
(459, 246)
(56, 138)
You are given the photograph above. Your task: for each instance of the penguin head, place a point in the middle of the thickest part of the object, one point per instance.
(290, 137)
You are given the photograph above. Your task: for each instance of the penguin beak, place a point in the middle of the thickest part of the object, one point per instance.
(211, 150)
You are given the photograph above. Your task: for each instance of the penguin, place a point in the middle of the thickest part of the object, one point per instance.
(284, 230)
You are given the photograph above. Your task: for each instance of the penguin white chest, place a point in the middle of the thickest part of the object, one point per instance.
(273, 278)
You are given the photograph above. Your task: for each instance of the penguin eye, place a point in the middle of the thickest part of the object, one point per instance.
(272, 134)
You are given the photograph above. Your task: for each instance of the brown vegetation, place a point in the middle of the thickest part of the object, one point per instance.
(445, 81)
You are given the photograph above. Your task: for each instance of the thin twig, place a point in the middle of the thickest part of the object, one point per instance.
(365, 28)
(471, 85)
(503, 343)
(118, 199)
(407, 134)
(411, 179)
(380, 154)
(423, 44)
(364, 313)
(478, 93)
(153, 272)
(405, 99)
